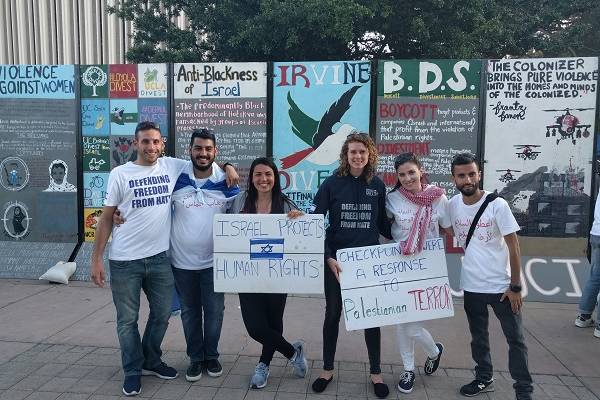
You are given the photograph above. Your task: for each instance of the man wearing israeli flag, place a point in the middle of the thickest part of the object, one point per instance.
(200, 192)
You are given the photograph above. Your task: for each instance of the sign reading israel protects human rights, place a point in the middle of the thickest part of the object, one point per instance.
(380, 286)
(268, 253)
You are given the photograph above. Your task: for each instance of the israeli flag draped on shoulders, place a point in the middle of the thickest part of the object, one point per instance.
(195, 202)
(212, 190)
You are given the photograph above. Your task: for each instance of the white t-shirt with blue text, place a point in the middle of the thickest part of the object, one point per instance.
(143, 196)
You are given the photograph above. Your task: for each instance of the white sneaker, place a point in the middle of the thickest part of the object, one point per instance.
(260, 376)
(597, 332)
(582, 322)
(298, 361)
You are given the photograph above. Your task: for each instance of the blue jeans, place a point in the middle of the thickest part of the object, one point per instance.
(476, 309)
(152, 275)
(592, 287)
(176, 306)
(196, 294)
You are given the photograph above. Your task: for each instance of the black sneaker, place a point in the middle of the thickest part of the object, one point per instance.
(407, 382)
(213, 368)
(476, 387)
(432, 364)
(162, 371)
(132, 385)
(194, 372)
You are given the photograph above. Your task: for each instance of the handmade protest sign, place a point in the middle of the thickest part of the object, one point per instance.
(382, 287)
(430, 108)
(38, 170)
(316, 105)
(539, 135)
(268, 253)
(114, 98)
(229, 98)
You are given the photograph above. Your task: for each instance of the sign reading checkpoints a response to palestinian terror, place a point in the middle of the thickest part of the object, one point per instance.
(268, 253)
(382, 287)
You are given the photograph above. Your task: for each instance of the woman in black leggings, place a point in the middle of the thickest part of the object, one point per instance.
(263, 312)
(354, 199)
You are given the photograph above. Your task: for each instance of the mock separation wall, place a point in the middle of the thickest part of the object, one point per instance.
(532, 122)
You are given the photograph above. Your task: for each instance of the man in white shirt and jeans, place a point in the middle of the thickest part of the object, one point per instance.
(588, 300)
(490, 275)
(199, 189)
(137, 255)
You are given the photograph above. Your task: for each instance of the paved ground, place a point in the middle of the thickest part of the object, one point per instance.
(59, 342)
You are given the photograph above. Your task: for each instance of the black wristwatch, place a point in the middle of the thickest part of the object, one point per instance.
(515, 288)
(226, 164)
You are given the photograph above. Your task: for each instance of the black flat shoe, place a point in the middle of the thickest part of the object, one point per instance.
(320, 384)
(381, 390)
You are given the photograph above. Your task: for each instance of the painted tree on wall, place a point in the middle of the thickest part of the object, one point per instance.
(270, 30)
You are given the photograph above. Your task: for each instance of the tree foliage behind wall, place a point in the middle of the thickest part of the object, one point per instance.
(272, 30)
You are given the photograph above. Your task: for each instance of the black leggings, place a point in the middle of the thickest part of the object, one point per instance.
(333, 312)
(263, 316)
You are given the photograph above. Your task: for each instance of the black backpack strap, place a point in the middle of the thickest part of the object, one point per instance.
(490, 197)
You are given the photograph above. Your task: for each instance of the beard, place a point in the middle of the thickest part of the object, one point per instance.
(202, 167)
(468, 190)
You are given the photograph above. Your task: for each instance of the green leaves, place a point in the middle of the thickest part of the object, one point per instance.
(275, 30)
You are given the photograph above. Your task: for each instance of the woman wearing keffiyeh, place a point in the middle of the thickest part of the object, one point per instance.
(58, 171)
(417, 210)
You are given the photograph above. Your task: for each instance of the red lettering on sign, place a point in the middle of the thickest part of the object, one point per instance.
(432, 298)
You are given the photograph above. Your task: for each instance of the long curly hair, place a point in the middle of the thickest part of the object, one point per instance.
(371, 168)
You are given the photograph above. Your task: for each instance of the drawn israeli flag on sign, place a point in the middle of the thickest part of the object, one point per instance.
(266, 249)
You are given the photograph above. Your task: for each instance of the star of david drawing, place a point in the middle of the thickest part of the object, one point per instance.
(266, 249)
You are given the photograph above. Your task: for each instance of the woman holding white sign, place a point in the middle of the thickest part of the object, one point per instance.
(417, 211)
(354, 198)
(263, 312)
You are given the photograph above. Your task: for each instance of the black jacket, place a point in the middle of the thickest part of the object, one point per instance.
(356, 212)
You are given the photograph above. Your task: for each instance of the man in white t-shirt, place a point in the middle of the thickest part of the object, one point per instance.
(137, 255)
(201, 192)
(588, 300)
(490, 275)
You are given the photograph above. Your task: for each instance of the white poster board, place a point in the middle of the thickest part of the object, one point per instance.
(382, 287)
(268, 253)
